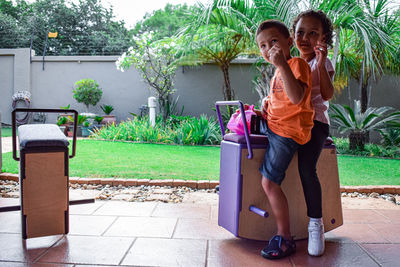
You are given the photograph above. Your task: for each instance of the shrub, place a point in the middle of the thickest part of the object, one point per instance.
(177, 130)
(88, 92)
(370, 150)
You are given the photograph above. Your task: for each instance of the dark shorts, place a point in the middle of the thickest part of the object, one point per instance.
(278, 155)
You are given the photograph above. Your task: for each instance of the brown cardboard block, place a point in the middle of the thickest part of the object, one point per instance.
(253, 226)
(45, 194)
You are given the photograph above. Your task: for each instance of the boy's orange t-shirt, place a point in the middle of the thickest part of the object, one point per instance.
(285, 118)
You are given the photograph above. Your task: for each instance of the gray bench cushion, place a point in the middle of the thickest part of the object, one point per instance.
(37, 135)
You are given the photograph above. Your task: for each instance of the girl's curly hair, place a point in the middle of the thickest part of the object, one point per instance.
(327, 26)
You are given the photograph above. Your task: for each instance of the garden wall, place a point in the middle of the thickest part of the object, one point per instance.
(197, 87)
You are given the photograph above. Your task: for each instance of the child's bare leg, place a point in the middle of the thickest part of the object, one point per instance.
(279, 206)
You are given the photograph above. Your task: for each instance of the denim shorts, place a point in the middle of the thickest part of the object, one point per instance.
(279, 153)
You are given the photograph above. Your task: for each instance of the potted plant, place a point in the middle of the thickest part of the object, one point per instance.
(86, 129)
(108, 118)
(65, 115)
(98, 120)
(62, 122)
(88, 92)
(81, 120)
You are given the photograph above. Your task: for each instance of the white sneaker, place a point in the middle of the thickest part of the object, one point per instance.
(316, 238)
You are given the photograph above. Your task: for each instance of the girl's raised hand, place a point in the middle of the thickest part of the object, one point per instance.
(321, 52)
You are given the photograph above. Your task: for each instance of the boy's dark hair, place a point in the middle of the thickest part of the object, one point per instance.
(327, 27)
(272, 23)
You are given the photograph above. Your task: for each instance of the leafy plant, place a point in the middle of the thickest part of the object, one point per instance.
(88, 92)
(177, 130)
(107, 109)
(62, 120)
(358, 123)
(81, 119)
(98, 119)
(370, 150)
(262, 82)
(86, 123)
(66, 107)
(390, 137)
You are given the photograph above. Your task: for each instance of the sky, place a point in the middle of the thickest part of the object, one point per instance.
(132, 11)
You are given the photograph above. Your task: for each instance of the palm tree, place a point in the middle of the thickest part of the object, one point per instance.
(366, 33)
(370, 32)
(208, 39)
(215, 43)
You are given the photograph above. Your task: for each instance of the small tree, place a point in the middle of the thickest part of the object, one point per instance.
(88, 92)
(157, 62)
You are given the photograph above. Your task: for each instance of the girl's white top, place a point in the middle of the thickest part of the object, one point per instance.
(320, 105)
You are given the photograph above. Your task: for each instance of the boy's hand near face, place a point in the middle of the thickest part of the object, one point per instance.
(277, 56)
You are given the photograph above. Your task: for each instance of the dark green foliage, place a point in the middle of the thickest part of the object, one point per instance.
(164, 22)
(390, 137)
(370, 150)
(84, 28)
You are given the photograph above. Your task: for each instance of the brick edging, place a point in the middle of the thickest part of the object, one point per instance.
(200, 184)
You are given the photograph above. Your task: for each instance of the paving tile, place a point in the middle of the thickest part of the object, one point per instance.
(182, 211)
(17, 249)
(336, 254)
(85, 208)
(123, 208)
(142, 227)
(363, 216)
(392, 215)
(26, 264)
(167, 252)
(13, 264)
(349, 233)
(5, 202)
(239, 252)
(89, 225)
(200, 229)
(10, 222)
(388, 231)
(386, 254)
(88, 250)
(214, 213)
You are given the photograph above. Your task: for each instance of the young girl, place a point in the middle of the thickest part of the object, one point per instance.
(312, 32)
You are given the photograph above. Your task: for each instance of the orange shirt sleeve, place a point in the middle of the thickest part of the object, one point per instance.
(301, 71)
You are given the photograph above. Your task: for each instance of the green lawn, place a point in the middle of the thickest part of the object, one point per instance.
(5, 132)
(355, 170)
(133, 160)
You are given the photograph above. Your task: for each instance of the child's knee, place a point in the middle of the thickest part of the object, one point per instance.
(268, 185)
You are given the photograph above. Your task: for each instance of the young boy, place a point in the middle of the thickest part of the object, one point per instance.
(288, 115)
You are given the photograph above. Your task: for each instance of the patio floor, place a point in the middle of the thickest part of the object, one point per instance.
(118, 233)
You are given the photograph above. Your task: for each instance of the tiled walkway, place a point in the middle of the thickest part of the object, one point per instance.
(113, 233)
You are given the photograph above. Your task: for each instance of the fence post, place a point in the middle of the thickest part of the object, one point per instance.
(152, 110)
